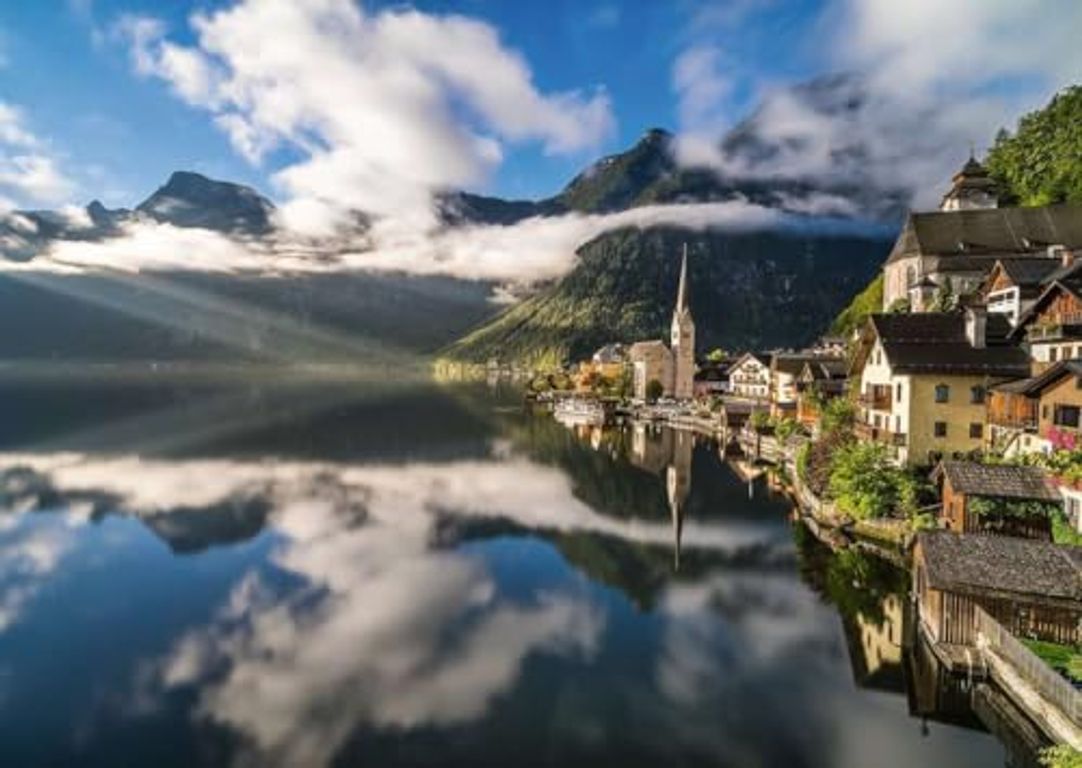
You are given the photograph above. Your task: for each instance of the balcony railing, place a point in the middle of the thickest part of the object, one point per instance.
(1066, 325)
(876, 401)
(880, 435)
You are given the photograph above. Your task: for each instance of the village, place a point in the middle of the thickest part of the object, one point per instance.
(945, 431)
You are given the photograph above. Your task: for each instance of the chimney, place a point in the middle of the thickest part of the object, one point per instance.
(976, 326)
(1064, 254)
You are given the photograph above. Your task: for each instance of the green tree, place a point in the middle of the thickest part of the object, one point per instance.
(838, 415)
(716, 355)
(945, 299)
(864, 483)
(654, 390)
(1041, 163)
(865, 303)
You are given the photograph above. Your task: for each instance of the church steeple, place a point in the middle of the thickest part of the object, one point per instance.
(682, 338)
(682, 291)
(972, 188)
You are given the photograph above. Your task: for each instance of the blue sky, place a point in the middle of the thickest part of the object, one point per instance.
(112, 132)
(120, 134)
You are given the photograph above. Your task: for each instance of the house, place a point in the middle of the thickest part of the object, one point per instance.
(749, 376)
(1013, 285)
(820, 380)
(961, 482)
(1052, 326)
(1037, 414)
(922, 380)
(607, 363)
(712, 378)
(650, 361)
(785, 371)
(958, 245)
(1033, 588)
(673, 366)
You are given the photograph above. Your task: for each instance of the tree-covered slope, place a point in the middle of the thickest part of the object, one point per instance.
(865, 303)
(748, 290)
(1041, 162)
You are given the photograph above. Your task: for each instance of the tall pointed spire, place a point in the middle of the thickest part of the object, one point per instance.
(682, 291)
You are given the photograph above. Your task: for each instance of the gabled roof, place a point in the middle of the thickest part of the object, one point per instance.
(1028, 272)
(1005, 481)
(791, 362)
(1035, 385)
(935, 342)
(994, 230)
(761, 358)
(976, 563)
(1070, 283)
(825, 369)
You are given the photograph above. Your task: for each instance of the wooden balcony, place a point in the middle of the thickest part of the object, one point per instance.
(876, 401)
(1067, 325)
(880, 435)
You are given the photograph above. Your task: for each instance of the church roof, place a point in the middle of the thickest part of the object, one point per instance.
(992, 231)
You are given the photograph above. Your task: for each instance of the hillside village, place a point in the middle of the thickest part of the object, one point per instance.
(947, 425)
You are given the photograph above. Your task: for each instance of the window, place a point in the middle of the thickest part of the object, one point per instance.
(878, 357)
(898, 391)
(976, 395)
(1066, 353)
(898, 424)
(876, 421)
(1066, 415)
(942, 393)
(1053, 354)
(941, 429)
(976, 431)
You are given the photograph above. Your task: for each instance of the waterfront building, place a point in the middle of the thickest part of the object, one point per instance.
(957, 246)
(673, 366)
(785, 371)
(922, 380)
(820, 380)
(1052, 326)
(1032, 588)
(1014, 285)
(1039, 413)
(960, 482)
(712, 378)
(749, 377)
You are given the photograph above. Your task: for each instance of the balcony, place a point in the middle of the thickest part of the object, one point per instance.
(1064, 326)
(876, 399)
(880, 435)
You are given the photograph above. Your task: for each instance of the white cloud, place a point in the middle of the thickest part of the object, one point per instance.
(931, 79)
(383, 107)
(28, 171)
(532, 250)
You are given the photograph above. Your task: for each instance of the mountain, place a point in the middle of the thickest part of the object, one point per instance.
(192, 200)
(753, 290)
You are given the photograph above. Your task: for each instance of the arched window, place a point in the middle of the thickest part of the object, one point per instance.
(910, 276)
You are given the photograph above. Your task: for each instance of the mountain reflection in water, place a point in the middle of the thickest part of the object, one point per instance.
(213, 574)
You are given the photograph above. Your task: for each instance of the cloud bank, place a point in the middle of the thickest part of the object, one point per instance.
(926, 80)
(28, 170)
(381, 108)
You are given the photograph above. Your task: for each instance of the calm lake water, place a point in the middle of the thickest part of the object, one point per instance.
(250, 574)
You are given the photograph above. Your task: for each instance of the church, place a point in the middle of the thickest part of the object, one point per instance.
(674, 366)
(956, 247)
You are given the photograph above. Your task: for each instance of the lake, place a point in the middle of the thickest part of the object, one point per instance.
(204, 572)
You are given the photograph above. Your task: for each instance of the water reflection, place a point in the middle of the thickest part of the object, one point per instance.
(354, 580)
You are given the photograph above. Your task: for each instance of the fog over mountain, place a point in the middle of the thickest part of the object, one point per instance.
(217, 260)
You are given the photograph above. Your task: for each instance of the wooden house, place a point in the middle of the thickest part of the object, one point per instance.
(1033, 588)
(961, 482)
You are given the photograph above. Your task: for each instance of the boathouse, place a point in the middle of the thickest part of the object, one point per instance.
(1032, 588)
(996, 498)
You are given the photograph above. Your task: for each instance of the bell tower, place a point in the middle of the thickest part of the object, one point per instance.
(682, 339)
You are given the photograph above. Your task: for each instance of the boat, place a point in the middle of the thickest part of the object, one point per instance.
(575, 412)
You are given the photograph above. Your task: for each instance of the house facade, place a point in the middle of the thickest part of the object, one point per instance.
(922, 380)
(749, 377)
(957, 246)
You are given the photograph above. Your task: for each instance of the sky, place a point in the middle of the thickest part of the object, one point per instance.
(328, 106)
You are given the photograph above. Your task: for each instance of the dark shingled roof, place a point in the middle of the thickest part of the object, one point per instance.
(1029, 272)
(793, 363)
(1003, 481)
(993, 230)
(935, 342)
(969, 563)
(1033, 386)
(825, 369)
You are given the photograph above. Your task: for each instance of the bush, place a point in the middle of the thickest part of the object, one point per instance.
(759, 420)
(1061, 756)
(865, 484)
(785, 428)
(839, 415)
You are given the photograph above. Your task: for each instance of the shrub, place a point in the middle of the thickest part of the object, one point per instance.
(864, 483)
(1061, 756)
(839, 415)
